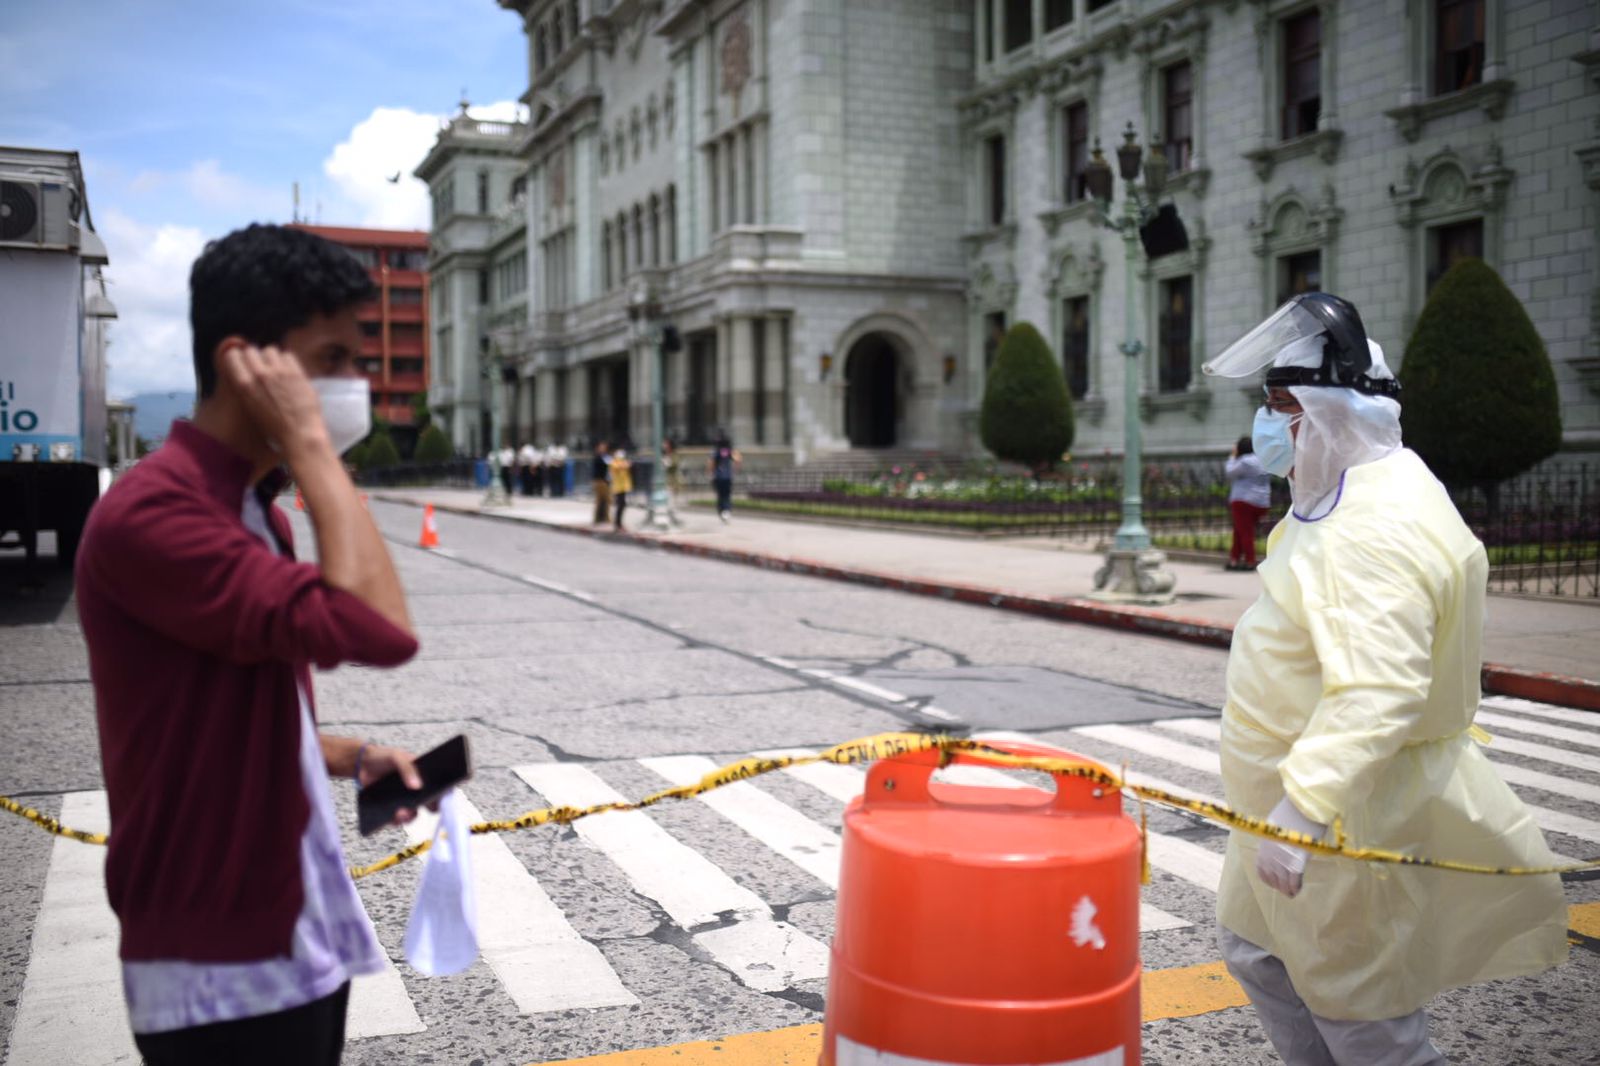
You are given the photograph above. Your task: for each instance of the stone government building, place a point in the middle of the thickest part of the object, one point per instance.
(839, 204)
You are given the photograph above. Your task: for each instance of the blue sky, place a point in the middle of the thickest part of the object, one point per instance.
(196, 117)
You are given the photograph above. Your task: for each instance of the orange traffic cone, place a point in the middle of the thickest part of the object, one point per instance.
(926, 969)
(430, 532)
(299, 501)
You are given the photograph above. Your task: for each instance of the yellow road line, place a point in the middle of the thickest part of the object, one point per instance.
(1184, 991)
(798, 1045)
(1178, 992)
(1584, 918)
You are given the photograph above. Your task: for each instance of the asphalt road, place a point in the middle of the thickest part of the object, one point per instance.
(582, 669)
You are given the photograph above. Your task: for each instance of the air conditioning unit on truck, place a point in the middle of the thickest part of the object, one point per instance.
(53, 314)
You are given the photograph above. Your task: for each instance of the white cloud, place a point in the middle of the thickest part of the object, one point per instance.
(387, 142)
(149, 283)
(207, 185)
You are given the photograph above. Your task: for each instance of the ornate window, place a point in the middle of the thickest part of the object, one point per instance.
(1455, 57)
(1174, 290)
(1075, 151)
(622, 245)
(1073, 285)
(995, 206)
(605, 257)
(1302, 74)
(1057, 13)
(1294, 241)
(1175, 335)
(1018, 23)
(671, 210)
(655, 230)
(1177, 113)
(1173, 87)
(1450, 206)
(638, 236)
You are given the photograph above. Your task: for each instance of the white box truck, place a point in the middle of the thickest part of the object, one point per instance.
(53, 315)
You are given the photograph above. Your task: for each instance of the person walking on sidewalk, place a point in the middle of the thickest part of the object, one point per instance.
(1249, 497)
(600, 480)
(720, 465)
(528, 468)
(621, 485)
(555, 470)
(673, 469)
(240, 926)
(506, 457)
(1352, 685)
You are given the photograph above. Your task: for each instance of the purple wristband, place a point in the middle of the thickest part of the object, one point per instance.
(359, 753)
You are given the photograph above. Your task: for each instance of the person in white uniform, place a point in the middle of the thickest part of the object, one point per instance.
(1351, 690)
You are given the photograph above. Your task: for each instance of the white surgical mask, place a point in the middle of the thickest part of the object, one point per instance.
(1273, 440)
(346, 410)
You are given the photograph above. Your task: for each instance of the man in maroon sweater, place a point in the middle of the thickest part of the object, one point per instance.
(240, 926)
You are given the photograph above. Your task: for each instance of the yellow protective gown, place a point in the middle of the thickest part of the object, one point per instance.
(1351, 685)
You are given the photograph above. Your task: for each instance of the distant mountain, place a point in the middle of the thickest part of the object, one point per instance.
(154, 412)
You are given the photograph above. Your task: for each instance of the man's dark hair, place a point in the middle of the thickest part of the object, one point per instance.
(262, 281)
(1246, 445)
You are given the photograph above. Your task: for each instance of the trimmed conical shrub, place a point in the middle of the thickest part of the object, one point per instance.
(381, 451)
(1027, 411)
(433, 446)
(1478, 399)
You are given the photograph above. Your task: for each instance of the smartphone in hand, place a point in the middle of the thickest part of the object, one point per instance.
(441, 769)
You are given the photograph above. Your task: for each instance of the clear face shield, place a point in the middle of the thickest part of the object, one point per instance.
(1265, 345)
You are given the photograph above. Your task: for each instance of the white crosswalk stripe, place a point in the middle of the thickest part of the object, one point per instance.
(540, 959)
(71, 1003)
(765, 954)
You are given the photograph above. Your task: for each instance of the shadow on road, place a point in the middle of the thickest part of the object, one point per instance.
(39, 595)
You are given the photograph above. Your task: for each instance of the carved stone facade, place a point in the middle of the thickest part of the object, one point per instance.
(1391, 177)
(837, 204)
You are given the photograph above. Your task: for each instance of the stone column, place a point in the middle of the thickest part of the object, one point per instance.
(741, 423)
(776, 377)
(724, 383)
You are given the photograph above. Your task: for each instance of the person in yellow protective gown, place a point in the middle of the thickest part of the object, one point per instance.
(1351, 689)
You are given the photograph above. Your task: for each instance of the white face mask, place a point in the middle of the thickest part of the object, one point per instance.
(1273, 440)
(346, 410)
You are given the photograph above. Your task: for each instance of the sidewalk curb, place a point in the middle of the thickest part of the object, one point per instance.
(1497, 679)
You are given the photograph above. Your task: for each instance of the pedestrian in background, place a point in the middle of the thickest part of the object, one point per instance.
(554, 471)
(621, 484)
(240, 926)
(506, 457)
(1249, 497)
(720, 465)
(600, 480)
(528, 469)
(673, 470)
(1352, 685)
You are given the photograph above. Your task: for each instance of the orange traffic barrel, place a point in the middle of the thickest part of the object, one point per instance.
(984, 926)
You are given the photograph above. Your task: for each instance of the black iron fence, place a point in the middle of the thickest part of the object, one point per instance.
(451, 473)
(1541, 530)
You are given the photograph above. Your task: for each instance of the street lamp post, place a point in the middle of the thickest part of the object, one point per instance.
(1133, 572)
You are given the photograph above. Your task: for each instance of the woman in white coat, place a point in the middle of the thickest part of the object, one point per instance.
(1351, 690)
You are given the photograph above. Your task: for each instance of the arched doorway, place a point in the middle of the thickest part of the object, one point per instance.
(871, 405)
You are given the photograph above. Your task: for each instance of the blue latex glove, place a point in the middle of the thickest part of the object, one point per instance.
(1283, 865)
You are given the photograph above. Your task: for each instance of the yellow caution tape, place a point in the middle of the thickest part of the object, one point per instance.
(888, 745)
(49, 824)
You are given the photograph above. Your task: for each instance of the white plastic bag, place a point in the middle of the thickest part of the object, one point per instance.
(442, 937)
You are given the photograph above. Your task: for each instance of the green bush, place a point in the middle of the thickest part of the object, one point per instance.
(380, 451)
(1479, 401)
(433, 446)
(1027, 411)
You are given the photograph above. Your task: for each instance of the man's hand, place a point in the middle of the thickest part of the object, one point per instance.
(348, 757)
(1280, 865)
(278, 397)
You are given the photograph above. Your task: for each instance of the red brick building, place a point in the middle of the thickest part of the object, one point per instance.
(394, 328)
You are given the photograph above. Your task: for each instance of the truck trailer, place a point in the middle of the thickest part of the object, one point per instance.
(53, 316)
